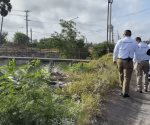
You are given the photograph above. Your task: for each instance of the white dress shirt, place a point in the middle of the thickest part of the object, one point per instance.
(141, 53)
(149, 45)
(125, 48)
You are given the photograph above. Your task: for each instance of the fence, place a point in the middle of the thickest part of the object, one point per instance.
(42, 53)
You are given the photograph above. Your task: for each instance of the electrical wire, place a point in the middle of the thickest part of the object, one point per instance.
(134, 13)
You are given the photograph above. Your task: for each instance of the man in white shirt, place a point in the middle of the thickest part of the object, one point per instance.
(123, 56)
(141, 65)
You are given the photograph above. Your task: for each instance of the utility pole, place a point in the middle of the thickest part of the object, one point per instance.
(118, 36)
(31, 34)
(109, 25)
(86, 41)
(27, 11)
(112, 34)
(1, 30)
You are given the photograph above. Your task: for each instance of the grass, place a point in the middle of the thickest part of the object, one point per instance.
(91, 82)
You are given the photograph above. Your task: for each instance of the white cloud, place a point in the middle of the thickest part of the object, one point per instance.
(91, 22)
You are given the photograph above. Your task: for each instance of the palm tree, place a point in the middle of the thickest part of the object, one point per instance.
(5, 7)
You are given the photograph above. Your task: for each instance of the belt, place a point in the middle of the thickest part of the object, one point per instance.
(126, 59)
(144, 60)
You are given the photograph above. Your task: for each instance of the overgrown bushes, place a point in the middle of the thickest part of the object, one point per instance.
(90, 83)
(101, 49)
(27, 99)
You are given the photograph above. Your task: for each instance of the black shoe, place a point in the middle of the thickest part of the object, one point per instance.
(125, 95)
(140, 91)
(145, 90)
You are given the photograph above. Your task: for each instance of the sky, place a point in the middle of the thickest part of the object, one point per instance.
(90, 17)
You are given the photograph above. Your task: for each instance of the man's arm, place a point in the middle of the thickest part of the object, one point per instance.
(115, 53)
(136, 53)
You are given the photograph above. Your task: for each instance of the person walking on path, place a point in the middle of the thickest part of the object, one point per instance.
(123, 56)
(141, 65)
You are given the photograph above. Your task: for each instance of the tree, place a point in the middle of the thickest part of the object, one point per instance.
(101, 49)
(68, 40)
(147, 41)
(4, 37)
(46, 43)
(5, 7)
(80, 43)
(34, 43)
(21, 39)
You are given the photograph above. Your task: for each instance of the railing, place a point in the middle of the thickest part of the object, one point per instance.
(42, 53)
(44, 59)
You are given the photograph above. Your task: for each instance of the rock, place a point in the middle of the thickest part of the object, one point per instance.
(62, 86)
(61, 83)
(58, 80)
(53, 82)
(54, 74)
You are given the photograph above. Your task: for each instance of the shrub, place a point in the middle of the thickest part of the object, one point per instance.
(101, 49)
(91, 82)
(26, 98)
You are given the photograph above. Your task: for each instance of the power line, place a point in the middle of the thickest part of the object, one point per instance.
(79, 23)
(42, 33)
(43, 22)
(88, 24)
(18, 10)
(38, 21)
(16, 15)
(26, 15)
(134, 13)
(91, 30)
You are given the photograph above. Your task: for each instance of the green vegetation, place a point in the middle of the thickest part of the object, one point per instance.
(91, 82)
(27, 98)
(69, 41)
(86, 92)
(21, 39)
(101, 49)
(4, 37)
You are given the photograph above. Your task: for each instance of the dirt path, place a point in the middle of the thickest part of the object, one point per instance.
(127, 111)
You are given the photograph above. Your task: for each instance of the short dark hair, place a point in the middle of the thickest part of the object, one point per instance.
(127, 33)
(138, 39)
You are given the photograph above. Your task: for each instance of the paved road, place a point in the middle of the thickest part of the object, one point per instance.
(128, 111)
